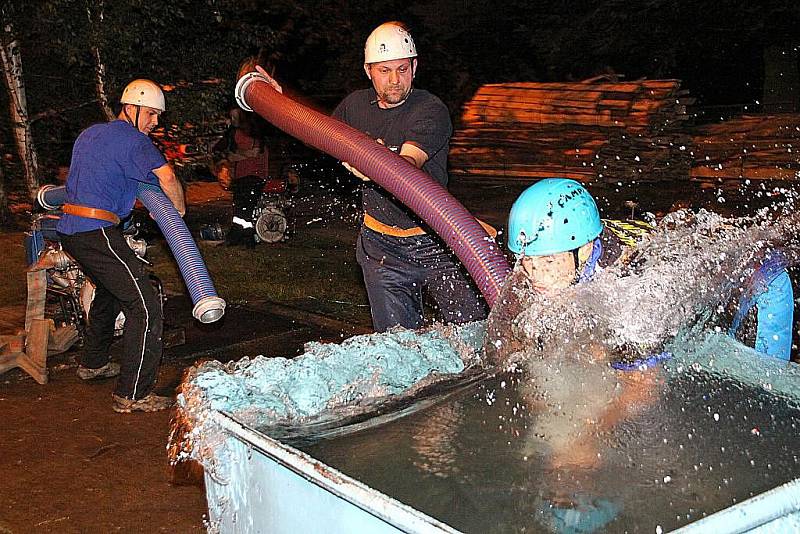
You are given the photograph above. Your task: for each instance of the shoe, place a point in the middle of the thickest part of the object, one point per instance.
(109, 370)
(149, 403)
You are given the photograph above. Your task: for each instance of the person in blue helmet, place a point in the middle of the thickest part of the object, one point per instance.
(559, 239)
(555, 230)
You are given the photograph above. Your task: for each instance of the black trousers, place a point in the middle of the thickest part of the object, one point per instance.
(122, 284)
(246, 193)
(397, 270)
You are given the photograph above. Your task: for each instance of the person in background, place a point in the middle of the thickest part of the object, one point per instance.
(108, 161)
(240, 161)
(399, 259)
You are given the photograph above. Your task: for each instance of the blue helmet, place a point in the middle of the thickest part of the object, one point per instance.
(552, 216)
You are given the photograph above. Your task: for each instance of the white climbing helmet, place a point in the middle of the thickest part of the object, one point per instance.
(143, 93)
(389, 41)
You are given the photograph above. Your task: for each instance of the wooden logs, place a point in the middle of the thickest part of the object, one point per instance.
(749, 147)
(607, 131)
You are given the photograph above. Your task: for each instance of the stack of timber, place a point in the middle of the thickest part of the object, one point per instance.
(749, 147)
(586, 131)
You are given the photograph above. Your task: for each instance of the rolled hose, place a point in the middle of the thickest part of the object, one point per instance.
(411, 186)
(208, 307)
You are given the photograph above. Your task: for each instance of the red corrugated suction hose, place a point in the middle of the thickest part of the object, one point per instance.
(411, 186)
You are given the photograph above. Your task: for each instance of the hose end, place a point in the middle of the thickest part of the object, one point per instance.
(209, 309)
(242, 85)
(41, 197)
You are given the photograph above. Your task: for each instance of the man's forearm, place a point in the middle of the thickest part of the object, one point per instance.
(174, 192)
(413, 154)
(172, 187)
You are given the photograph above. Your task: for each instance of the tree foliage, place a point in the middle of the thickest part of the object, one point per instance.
(315, 48)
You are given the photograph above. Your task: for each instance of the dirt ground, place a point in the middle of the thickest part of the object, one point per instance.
(70, 464)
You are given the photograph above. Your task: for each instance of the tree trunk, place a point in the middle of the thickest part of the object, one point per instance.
(15, 83)
(94, 11)
(100, 84)
(4, 213)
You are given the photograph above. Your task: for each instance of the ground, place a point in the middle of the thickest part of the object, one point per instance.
(70, 464)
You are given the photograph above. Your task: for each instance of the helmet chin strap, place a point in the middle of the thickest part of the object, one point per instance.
(577, 261)
(130, 121)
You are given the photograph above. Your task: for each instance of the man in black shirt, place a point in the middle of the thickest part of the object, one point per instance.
(398, 257)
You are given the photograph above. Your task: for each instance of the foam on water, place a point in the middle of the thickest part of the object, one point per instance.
(326, 381)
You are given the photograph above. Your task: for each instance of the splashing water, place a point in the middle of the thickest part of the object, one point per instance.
(692, 270)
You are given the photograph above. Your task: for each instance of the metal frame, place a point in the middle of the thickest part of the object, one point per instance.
(236, 504)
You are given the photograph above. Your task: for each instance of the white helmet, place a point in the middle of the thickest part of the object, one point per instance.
(143, 93)
(387, 42)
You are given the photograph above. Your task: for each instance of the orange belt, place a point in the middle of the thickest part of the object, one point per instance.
(90, 213)
(374, 224)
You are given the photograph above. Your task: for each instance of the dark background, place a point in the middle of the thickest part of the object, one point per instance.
(732, 56)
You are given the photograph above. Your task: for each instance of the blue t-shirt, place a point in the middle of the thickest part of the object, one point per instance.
(108, 161)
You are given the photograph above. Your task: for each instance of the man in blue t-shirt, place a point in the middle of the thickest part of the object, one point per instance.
(108, 162)
(399, 258)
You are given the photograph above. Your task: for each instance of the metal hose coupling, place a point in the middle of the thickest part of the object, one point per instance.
(51, 197)
(242, 85)
(209, 309)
